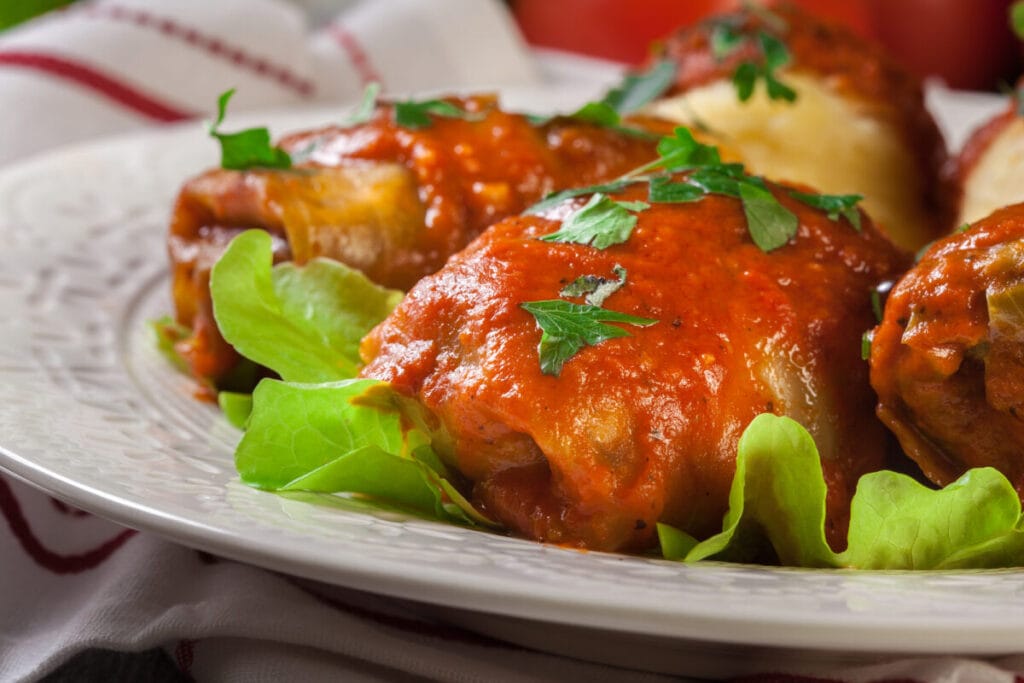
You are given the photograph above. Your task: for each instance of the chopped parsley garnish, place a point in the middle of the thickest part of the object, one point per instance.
(1017, 18)
(727, 37)
(834, 205)
(771, 225)
(598, 113)
(876, 304)
(865, 344)
(556, 198)
(681, 151)
(595, 289)
(663, 189)
(601, 223)
(248, 148)
(567, 327)
(411, 114)
(637, 90)
(364, 112)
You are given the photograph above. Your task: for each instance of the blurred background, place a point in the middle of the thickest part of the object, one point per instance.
(966, 43)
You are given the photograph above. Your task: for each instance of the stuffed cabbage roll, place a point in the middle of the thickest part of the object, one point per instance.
(595, 387)
(394, 196)
(947, 360)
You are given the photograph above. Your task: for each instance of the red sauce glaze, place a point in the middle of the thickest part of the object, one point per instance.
(950, 386)
(643, 429)
(455, 177)
(843, 62)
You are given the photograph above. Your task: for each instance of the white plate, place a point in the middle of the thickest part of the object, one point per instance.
(90, 412)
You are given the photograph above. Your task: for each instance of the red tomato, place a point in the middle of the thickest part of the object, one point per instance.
(967, 43)
(623, 31)
(613, 29)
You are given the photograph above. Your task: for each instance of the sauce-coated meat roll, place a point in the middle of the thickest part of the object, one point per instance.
(842, 117)
(389, 198)
(947, 360)
(591, 445)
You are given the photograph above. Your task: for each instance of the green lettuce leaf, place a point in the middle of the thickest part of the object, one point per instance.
(236, 407)
(777, 506)
(899, 524)
(168, 333)
(352, 436)
(303, 322)
(777, 495)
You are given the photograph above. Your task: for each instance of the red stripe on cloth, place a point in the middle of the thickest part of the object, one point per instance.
(10, 508)
(66, 509)
(96, 81)
(207, 43)
(356, 55)
(413, 626)
(184, 656)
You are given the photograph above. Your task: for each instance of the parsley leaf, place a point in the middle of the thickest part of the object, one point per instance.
(865, 344)
(556, 198)
(364, 112)
(601, 223)
(663, 189)
(1017, 18)
(636, 90)
(727, 37)
(680, 151)
(247, 148)
(725, 40)
(411, 114)
(745, 80)
(776, 54)
(876, 304)
(771, 225)
(567, 327)
(598, 113)
(834, 205)
(595, 289)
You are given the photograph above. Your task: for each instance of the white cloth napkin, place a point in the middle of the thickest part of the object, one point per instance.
(74, 583)
(113, 66)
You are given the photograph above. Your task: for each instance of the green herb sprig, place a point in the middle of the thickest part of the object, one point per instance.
(601, 223)
(418, 114)
(770, 224)
(367, 105)
(635, 91)
(1017, 18)
(567, 327)
(727, 38)
(248, 148)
